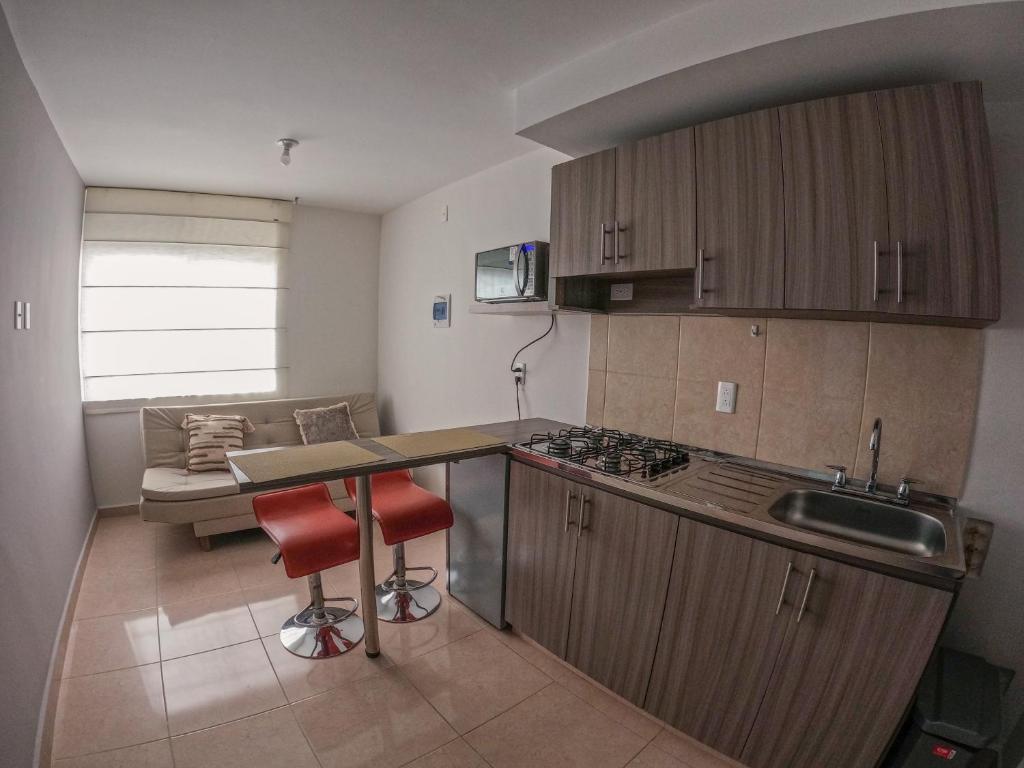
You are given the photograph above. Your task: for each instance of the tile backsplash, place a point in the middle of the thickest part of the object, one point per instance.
(808, 390)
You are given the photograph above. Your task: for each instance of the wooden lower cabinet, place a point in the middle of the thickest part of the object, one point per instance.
(721, 635)
(623, 562)
(540, 556)
(848, 670)
(774, 657)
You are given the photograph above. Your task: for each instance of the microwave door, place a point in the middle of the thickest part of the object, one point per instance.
(495, 276)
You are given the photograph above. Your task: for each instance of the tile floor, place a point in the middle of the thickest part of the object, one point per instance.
(173, 662)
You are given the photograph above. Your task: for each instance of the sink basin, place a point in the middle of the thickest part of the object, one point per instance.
(864, 521)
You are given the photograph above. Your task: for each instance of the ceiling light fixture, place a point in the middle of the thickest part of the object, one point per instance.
(286, 149)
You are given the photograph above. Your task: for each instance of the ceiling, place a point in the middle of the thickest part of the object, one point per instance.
(978, 42)
(389, 99)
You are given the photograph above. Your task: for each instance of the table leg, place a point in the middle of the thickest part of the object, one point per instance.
(367, 580)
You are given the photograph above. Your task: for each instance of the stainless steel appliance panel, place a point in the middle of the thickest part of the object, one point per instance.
(477, 492)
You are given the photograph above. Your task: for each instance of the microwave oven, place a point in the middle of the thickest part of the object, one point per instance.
(514, 273)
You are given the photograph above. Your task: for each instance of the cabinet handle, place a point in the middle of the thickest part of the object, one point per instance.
(807, 592)
(584, 505)
(700, 274)
(618, 229)
(604, 242)
(785, 583)
(874, 284)
(899, 271)
(569, 496)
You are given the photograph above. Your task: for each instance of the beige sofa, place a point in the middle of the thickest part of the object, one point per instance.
(211, 501)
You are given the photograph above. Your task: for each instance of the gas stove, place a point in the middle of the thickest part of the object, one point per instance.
(610, 452)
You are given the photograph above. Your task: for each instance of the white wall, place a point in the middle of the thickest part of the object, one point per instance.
(440, 377)
(989, 616)
(331, 316)
(46, 504)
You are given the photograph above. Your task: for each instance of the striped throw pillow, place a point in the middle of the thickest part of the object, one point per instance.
(209, 437)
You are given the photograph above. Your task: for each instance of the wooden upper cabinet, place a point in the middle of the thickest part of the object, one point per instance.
(582, 215)
(740, 228)
(655, 203)
(942, 219)
(730, 600)
(541, 555)
(623, 561)
(837, 225)
(848, 670)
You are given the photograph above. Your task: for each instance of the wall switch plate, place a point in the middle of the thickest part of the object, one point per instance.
(622, 292)
(726, 402)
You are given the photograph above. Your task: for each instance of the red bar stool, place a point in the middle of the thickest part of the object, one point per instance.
(405, 511)
(313, 535)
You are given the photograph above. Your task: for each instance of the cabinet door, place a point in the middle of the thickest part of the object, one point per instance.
(721, 634)
(836, 219)
(740, 213)
(941, 199)
(582, 212)
(541, 555)
(655, 206)
(848, 670)
(623, 562)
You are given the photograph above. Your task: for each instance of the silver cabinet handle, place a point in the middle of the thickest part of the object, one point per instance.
(807, 592)
(899, 271)
(584, 505)
(700, 274)
(874, 284)
(618, 228)
(604, 242)
(569, 496)
(785, 583)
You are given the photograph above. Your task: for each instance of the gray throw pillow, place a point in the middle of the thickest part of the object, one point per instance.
(326, 425)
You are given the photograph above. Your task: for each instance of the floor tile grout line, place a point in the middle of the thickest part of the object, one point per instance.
(80, 755)
(588, 682)
(409, 680)
(160, 654)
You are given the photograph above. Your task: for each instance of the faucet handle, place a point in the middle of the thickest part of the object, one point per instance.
(840, 479)
(903, 489)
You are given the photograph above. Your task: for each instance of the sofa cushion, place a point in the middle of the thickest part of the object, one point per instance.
(325, 425)
(165, 443)
(210, 438)
(170, 484)
(181, 510)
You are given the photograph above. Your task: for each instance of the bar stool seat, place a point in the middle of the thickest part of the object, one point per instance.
(405, 511)
(313, 535)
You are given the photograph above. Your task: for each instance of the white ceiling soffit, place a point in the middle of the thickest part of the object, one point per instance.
(970, 42)
(389, 98)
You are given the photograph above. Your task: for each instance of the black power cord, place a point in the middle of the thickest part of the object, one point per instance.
(512, 365)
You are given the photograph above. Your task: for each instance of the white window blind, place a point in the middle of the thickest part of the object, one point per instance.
(181, 294)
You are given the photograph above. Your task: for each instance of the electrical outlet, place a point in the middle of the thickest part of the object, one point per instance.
(444, 214)
(519, 373)
(726, 402)
(622, 292)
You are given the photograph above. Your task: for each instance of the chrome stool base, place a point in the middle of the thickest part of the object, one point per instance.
(320, 631)
(401, 600)
(402, 606)
(322, 641)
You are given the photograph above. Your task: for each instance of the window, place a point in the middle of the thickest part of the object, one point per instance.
(181, 294)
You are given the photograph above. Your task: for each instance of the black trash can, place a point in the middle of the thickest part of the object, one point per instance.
(956, 715)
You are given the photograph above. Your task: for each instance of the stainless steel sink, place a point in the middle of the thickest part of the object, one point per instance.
(896, 528)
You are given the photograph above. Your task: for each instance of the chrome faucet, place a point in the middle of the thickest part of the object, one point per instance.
(875, 446)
